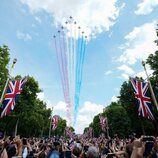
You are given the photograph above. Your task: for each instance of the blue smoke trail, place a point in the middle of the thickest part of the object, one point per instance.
(80, 60)
(76, 83)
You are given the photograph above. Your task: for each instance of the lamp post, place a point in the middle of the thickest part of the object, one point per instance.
(151, 90)
(50, 127)
(6, 84)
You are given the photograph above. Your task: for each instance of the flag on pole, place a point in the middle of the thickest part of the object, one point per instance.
(103, 122)
(55, 120)
(141, 93)
(14, 90)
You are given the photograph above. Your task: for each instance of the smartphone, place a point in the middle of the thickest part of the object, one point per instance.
(147, 138)
(148, 147)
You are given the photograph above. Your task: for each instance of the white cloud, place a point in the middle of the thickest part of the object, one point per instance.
(143, 74)
(60, 109)
(93, 16)
(124, 76)
(38, 19)
(114, 99)
(146, 7)
(23, 36)
(60, 106)
(108, 72)
(140, 43)
(126, 69)
(40, 95)
(86, 114)
(49, 104)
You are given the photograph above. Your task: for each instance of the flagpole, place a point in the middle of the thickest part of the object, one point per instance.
(151, 90)
(50, 127)
(107, 129)
(6, 84)
(16, 127)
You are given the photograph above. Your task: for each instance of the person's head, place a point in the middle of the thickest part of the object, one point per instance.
(77, 149)
(11, 151)
(56, 145)
(93, 152)
(1, 135)
(24, 142)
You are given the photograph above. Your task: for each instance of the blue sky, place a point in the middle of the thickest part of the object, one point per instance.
(123, 37)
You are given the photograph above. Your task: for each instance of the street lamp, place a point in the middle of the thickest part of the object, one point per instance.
(143, 63)
(50, 127)
(14, 61)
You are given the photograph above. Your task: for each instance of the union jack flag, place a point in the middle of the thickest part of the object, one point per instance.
(141, 93)
(55, 120)
(14, 89)
(103, 122)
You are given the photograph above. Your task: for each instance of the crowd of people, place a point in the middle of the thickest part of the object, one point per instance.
(55, 147)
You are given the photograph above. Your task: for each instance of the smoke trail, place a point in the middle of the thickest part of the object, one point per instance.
(64, 72)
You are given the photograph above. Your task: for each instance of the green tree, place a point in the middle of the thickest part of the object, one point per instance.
(4, 60)
(152, 60)
(32, 113)
(128, 102)
(96, 126)
(118, 120)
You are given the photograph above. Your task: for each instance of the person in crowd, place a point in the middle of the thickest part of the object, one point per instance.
(16, 147)
(93, 152)
(54, 152)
